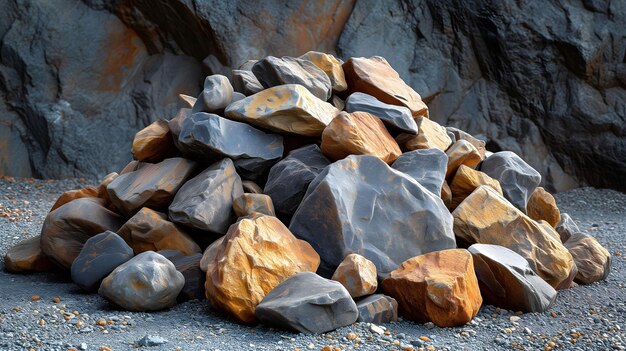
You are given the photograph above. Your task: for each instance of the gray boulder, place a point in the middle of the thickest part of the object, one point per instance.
(205, 202)
(215, 96)
(307, 303)
(189, 266)
(100, 255)
(507, 281)
(397, 118)
(566, 227)
(272, 71)
(517, 178)
(427, 166)
(361, 205)
(245, 82)
(378, 309)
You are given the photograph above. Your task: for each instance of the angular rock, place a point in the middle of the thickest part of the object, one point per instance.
(461, 135)
(357, 274)
(462, 152)
(67, 228)
(27, 256)
(592, 259)
(374, 76)
(147, 282)
(245, 82)
(517, 179)
(100, 255)
(485, 215)
(289, 108)
(186, 101)
(154, 143)
(308, 303)
(566, 227)
(361, 205)
(507, 281)
(73, 195)
(426, 166)
(248, 204)
(446, 195)
(331, 66)
(289, 179)
(430, 135)
(256, 255)
(205, 202)
(542, 206)
(176, 123)
(466, 180)
(149, 230)
(152, 185)
(189, 266)
(272, 71)
(439, 287)
(395, 117)
(215, 96)
(210, 253)
(378, 309)
(102, 188)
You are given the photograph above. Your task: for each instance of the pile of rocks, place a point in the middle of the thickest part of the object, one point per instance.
(309, 194)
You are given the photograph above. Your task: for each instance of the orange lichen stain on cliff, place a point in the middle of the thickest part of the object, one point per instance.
(122, 49)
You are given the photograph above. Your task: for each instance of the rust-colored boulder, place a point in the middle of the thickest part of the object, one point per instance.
(462, 152)
(374, 76)
(439, 287)
(256, 255)
(358, 133)
(357, 274)
(149, 230)
(154, 143)
(331, 66)
(248, 204)
(73, 195)
(542, 206)
(466, 180)
(592, 259)
(430, 135)
(486, 217)
(27, 256)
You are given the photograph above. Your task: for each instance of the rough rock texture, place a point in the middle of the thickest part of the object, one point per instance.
(154, 143)
(592, 259)
(189, 266)
(377, 309)
(397, 118)
(73, 195)
(542, 206)
(439, 287)
(361, 205)
(247, 204)
(27, 256)
(507, 281)
(357, 274)
(430, 135)
(256, 255)
(272, 71)
(466, 180)
(308, 303)
(566, 227)
(426, 166)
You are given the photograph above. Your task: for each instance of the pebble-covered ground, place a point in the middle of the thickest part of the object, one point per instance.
(47, 312)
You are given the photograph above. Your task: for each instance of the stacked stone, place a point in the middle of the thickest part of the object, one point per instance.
(311, 193)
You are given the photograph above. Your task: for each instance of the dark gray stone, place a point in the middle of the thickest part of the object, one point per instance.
(307, 303)
(205, 202)
(189, 266)
(507, 281)
(566, 227)
(245, 82)
(361, 205)
(272, 71)
(378, 309)
(151, 340)
(100, 255)
(517, 178)
(289, 179)
(427, 166)
(216, 95)
(397, 118)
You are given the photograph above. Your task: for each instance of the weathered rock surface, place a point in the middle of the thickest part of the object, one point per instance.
(426, 166)
(189, 266)
(73, 195)
(308, 303)
(67, 228)
(331, 66)
(154, 143)
(542, 206)
(566, 227)
(377, 309)
(27, 256)
(358, 133)
(439, 287)
(205, 202)
(592, 259)
(152, 185)
(245, 82)
(256, 255)
(507, 281)
(430, 135)
(357, 274)
(147, 282)
(215, 96)
(361, 205)
(248, 204)
(273, 71)
(100, 255)
(289, 108)
(397, 118)
(466, 180)
(462, 152)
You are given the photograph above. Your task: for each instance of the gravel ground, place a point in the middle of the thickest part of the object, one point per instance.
(584, 318)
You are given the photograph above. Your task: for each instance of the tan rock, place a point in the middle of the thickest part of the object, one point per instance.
(73, 195)
(430, 135)
(289, 108)
(466, 180)
(486, 217)
(358, 133)
(27, 256)
(256, 255)
(446, 194)
(542, 205)
(331, 66)
(357, 274)
(439, 287)
(132, 166)
(248, 204)
(102, 188)
(149, 230)
(462, 152)
(592, 259)
(154, 143)
(374, 76)
(251, 187)
(186, 101)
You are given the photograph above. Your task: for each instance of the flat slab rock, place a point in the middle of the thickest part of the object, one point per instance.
(308, 303)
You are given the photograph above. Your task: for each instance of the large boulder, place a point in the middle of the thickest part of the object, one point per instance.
(361, 205)
(426, 166)
(542, 206)
(154, 143)
(27, 256)
(395, 117)
(357, 274)
(256, 255)
(331, 66)
(66, 229)
(466, 180)
(273, 71)
(507, 281)
(377, 308)
(308, 303)
(592, 259)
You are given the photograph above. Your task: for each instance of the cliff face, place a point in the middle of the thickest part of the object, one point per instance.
(546, 79)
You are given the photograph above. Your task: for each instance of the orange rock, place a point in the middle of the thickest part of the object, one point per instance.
(154, 143)
(73, 195)
(466, 180)
(357, 274)
(542, 205)
(430, 135)
(256, 255)
(440, 286)
(358, 133)
(248, 204)
(462, 152)
(102, 188)
(27, 256)
(374, 76)
(446, 194)
(331, 66)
